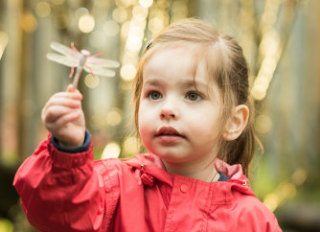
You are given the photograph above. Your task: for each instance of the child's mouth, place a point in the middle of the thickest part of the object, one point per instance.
(169, 135)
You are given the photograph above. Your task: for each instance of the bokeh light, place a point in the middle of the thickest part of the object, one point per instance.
(6, 225)
(129, 57)
(156, 25)
(179, 10)
(130, 145)
(113, 117)
(263, 124)
(259, 91)
(271, 201)
(128, 72)
(111, 150)
(288, 191)
(299, 176)
(136, 31)
(81, 11)
(139, 11)
(119, 14)
(125, 29)
(3, 42)
(86, 23)
(269, 49)
(134, 43)
(91, 81)
(146, 3)
(28, 22)
(43, 9)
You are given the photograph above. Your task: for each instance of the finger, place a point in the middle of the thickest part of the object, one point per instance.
(55, 112)
(73, 95)
(62, 121)
(63, 96)
(70, 89)
(67, 102)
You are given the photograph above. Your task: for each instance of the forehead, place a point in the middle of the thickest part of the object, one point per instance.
(175, 63)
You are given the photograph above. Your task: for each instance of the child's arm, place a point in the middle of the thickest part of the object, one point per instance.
(61, 191)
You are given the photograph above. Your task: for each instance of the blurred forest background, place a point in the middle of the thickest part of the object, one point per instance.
(281, 42)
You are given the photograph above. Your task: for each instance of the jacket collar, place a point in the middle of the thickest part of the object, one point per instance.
(149, 167)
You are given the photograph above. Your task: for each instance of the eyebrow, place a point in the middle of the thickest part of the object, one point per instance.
(153, 82)
(193, 83)
(184, 84)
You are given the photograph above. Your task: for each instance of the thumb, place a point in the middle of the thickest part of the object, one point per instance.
(70, 89)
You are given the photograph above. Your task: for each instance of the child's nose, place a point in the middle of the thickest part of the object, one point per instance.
(169, 111)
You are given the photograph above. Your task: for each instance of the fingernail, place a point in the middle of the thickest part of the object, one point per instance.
(69, 88)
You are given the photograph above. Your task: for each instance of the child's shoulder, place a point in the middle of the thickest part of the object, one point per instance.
(251, 210)
(250, 204)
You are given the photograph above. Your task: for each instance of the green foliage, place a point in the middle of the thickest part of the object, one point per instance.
(5, 225)
(262, 182)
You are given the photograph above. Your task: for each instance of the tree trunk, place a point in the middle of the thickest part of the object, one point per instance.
(24, 105)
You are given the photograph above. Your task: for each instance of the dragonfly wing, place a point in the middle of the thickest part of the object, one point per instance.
(100, 71)
(94, 61)
(58, 47)
(65, 60)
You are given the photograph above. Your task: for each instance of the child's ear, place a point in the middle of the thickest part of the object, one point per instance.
(236, 123)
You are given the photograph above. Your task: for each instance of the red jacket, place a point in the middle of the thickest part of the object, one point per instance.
(64, 192)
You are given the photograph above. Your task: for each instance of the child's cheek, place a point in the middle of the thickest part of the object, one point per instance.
(145, 135)
(143, 123)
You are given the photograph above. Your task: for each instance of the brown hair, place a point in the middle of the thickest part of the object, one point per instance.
(226, 66)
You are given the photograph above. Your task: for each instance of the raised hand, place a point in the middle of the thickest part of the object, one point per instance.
(63, 117)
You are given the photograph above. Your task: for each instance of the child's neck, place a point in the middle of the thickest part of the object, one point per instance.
(202, 169)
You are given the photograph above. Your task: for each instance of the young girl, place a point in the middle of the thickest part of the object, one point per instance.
(193, 114)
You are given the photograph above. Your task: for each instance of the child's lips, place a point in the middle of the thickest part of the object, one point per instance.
(168, 131)
(169, 135)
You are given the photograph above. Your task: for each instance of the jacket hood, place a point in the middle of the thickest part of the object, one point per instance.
(148, 168)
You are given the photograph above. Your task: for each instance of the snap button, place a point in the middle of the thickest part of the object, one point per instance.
(184, 188)
(107, 189)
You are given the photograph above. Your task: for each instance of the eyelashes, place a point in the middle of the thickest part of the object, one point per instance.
(193, 96)
(154, 95)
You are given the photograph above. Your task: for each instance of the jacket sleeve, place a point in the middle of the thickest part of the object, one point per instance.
(61, 191)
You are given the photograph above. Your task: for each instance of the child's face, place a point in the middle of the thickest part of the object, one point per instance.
(178, 121)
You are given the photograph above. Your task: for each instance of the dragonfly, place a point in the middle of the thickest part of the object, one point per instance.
(81, 60)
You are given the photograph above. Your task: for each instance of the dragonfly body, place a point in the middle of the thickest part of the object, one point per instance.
(81, 60)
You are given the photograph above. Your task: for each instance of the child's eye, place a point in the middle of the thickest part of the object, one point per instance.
(154, 95)
(193, 96)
